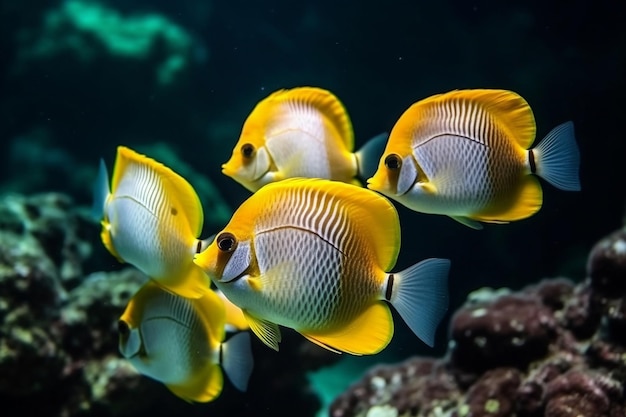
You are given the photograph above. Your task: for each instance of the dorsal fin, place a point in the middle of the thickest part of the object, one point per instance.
(178, 190)
(327, 103)
(304, 201)
(465, 112)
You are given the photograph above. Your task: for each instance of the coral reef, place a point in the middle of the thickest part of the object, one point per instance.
(57, 337)
(58, 333)
(554, 349)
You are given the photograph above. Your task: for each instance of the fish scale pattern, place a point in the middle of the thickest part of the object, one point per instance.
(464, 144)
(316, 268)
(301, 278)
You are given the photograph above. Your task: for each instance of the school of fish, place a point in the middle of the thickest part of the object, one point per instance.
(313, 248)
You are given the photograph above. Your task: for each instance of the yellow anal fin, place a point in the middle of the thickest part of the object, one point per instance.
(204, 386)
(268, 332)
(370, 333)
(526, 202)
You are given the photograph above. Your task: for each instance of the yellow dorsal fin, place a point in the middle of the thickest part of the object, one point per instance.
(508, 108)
(528, 202)
(205, 385)
(328, 104)
(372, 216)
(370, 333)
(177, 189)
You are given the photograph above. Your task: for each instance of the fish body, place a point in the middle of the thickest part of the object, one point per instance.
(151, 218)
(467, 154)
(301, 132)
(314, 255)
(180, 342)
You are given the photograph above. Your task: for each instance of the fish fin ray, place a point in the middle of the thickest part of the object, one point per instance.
(237, 360)
(558, 158)
(468, 222)
(368, 334)
(268, 332)
(420, 295)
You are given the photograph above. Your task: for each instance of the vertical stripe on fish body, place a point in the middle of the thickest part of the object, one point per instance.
(466, 154)
(340, 276)
(312, 255)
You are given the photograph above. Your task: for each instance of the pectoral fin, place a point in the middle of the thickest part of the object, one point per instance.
(268, 332)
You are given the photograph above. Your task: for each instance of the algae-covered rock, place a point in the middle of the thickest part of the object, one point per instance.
(553, 349)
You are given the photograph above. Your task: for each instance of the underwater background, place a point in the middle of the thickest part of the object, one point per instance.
(176, 80)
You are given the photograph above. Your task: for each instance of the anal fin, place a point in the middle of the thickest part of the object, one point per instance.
(525, 203)
(370, 333)
(204, 386)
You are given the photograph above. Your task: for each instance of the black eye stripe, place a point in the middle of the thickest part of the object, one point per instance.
(247, 150)
(226, 242)
(393, 161)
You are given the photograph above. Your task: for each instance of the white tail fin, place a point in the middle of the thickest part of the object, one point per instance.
(557, 159)
(420, 294)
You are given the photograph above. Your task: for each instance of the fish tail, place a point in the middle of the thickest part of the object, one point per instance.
(420, 295)
(101, 191)
(557, 159)
(368, 156)
(236, 359)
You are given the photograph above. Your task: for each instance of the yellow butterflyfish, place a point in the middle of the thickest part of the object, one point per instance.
(301, 132)
(180, 342)
(151, 218)
(314, 255)
(467, 154)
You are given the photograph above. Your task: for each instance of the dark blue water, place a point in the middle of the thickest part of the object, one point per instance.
(73, 89)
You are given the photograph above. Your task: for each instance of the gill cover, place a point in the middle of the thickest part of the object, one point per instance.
(240, 256)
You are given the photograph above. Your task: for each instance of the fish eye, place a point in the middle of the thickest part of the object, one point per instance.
(226, 242)
(122, 328)
(247, 150)
(393, 161)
